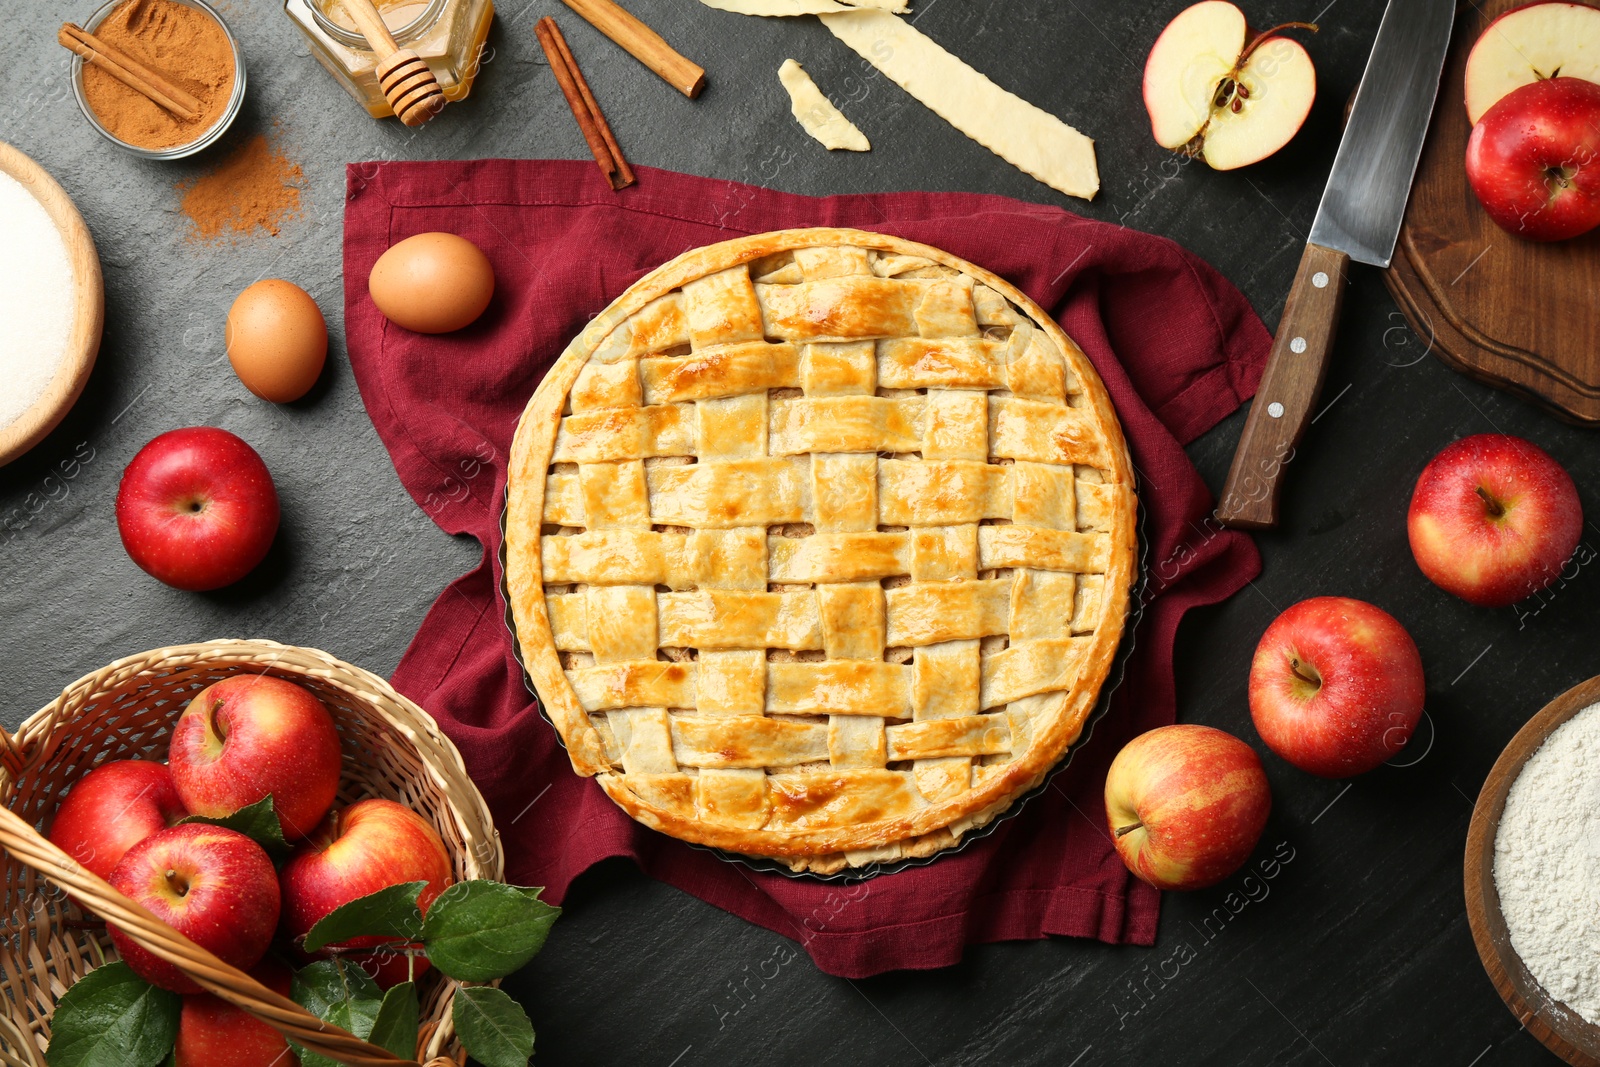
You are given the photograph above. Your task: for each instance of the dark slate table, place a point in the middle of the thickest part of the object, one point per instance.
(1356, 952)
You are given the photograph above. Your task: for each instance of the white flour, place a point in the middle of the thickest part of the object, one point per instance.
(36, 300)
(1547, 864)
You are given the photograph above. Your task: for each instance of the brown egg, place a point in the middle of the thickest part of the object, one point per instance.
(432, 283)
(277, 340)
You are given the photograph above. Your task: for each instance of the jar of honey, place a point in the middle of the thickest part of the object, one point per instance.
(447, 34)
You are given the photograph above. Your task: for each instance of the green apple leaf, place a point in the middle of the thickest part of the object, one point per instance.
(396, 1026)
(390, 912)
(258, 821)
(492, 1027)
(311, 1059)
(480, 930)
(113, 1018)
(340, 993)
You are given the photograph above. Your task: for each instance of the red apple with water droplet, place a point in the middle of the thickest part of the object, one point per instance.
(197, 508)
(251, 736)
(1186, 805)
(213, 885)
(1494, 519)
(214, 1033)
(1336, 686)
(1533, 160)
(371, 845)
(113, 808)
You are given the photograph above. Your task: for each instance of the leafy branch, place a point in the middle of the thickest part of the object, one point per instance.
(475, 931)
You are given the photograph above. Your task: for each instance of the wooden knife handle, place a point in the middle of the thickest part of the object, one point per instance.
(1289, 388)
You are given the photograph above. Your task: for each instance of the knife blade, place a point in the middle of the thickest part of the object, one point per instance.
(1358, 219)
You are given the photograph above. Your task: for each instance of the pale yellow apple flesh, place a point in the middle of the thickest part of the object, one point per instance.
(1273, 94)
(1531, 44)
(1192, 55)
(1214, 90)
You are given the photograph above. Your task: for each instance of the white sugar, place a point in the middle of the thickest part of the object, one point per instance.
(36, 300)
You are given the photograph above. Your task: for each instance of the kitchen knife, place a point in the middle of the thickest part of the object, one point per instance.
(1359, 219)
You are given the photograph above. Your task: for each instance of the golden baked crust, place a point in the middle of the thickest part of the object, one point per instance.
(819, 546)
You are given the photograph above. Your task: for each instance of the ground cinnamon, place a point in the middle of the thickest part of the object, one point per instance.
(255, 187)
(184, 43)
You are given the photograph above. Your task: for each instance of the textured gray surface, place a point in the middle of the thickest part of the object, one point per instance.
(1357, 952)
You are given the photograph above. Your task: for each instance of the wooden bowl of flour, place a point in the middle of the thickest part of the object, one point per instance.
(52, 393)
(1560, 1029)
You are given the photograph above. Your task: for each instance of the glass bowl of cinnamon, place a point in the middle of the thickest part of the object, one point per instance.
(162, 79)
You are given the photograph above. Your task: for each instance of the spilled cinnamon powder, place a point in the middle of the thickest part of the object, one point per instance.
(255, 187)
(182, 42)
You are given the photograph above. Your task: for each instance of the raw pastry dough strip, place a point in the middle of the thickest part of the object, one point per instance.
(785, 8)
(1029, 138)
(816, 113)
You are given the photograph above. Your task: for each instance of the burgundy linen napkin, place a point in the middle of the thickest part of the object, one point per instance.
(1178, 347)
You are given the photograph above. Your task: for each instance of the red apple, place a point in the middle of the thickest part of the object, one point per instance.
(113, 808)
(1186, 805)
(213, 885)
(214, 1033)
(1221, 92)
(197, 508)
(366, 847)
(1533, 160)
(1493, 519)
(1532, 43)
(1336, 686)
(252, 735)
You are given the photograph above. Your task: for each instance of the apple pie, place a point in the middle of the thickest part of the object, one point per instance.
(819, 547)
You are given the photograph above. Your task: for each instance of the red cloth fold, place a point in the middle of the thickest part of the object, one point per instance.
(1178, 347)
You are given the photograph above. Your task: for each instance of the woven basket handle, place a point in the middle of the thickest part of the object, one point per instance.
(11, 755)
(229, 983)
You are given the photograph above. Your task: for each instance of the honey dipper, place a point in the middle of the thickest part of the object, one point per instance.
(408, 84)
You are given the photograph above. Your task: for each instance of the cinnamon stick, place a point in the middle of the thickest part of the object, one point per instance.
(591, 121)
(129, 71)
(623, 170)
(643, 43)
(155, 77)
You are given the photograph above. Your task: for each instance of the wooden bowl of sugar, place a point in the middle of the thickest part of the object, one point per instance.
(1545, 854)
(52, 303)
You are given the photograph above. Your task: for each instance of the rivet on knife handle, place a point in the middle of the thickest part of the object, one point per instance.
(1289, 389)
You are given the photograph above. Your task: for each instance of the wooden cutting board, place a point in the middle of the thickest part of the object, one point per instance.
(1519, 315)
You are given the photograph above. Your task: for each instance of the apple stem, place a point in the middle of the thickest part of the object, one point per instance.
(1231, 93)
(216, 723)
(1262, 37)
(396, 944)
(1310, 679)
(1495, 508)
(1123, 831)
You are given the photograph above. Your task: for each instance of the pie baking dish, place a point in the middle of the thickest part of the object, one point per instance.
(819, 547)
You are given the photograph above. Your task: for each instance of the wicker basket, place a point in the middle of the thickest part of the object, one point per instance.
(392, 748)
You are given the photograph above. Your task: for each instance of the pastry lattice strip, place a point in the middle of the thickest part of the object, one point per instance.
(825, 460)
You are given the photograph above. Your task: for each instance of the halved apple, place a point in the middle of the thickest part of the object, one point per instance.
(1543, 40)
(1217, 91)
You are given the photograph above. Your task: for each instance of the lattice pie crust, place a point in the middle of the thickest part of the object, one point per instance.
(819, 546)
